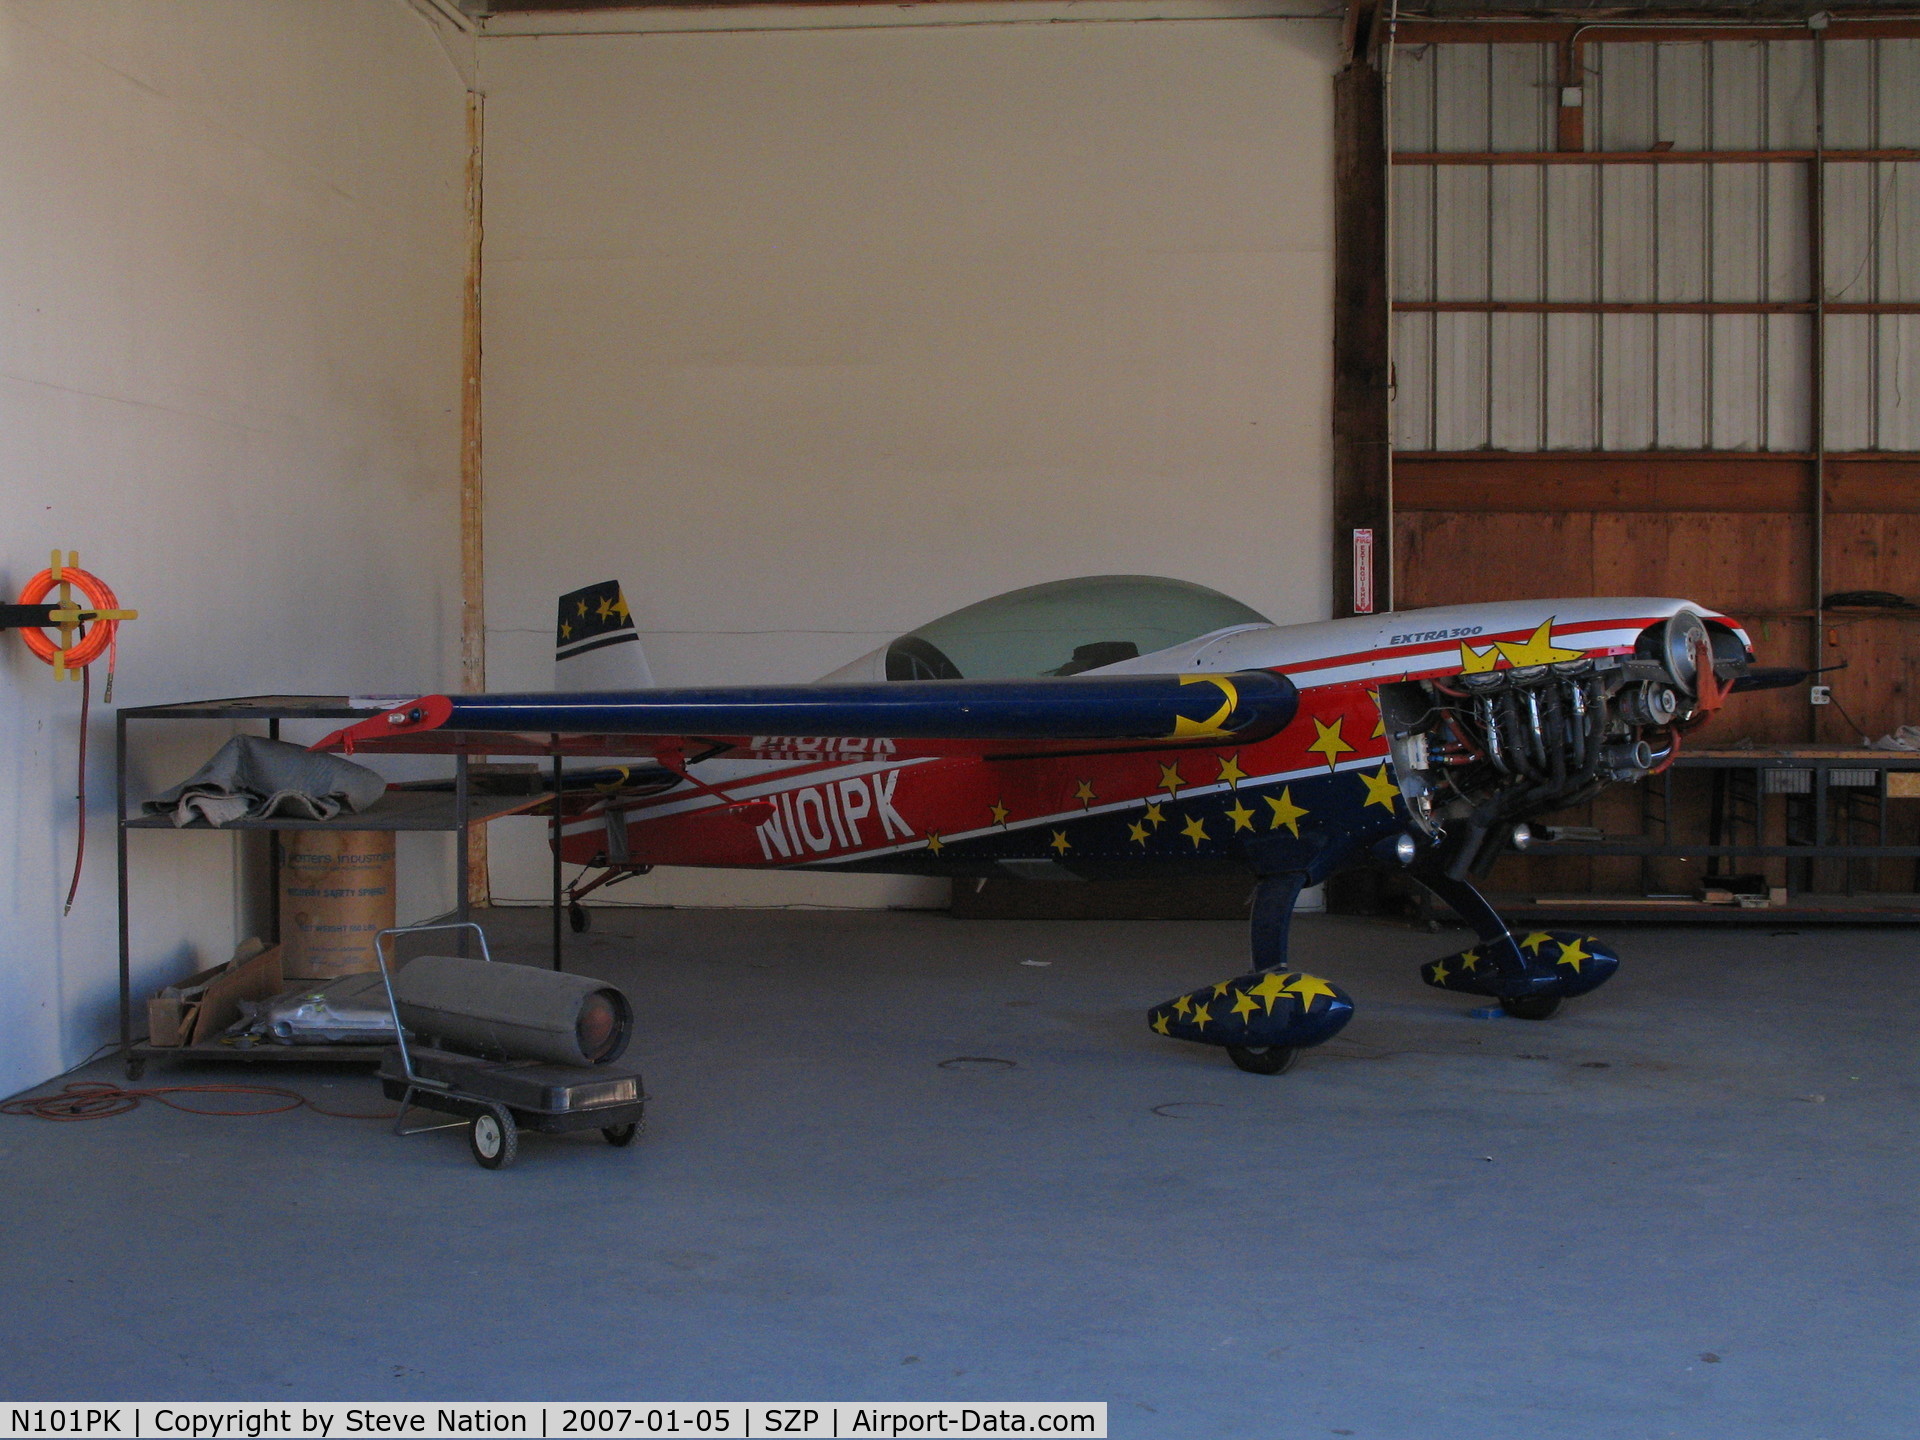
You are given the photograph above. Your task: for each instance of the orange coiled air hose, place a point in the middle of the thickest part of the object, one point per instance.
(96, 637)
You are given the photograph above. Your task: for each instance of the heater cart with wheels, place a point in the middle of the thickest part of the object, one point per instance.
(497, 1099)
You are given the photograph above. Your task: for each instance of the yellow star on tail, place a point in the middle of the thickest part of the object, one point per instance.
(1230, 771)
(999, 812)
(1137, 833)
(1241, 816)
(1537, 649)
(1271, 987)
(1160, 1024)
(566, 629)
(583, 609)
(1085, 793)
(1182, 1005)
(1200, 1017)
(1305, 987)
(1380, 790)
(603, 609)
(620, 606)
(934, 842)
(1285, 812)
(1572, 954)
(1244, 1005)
(1171, 779)
(1328, 740)
(1194, 830)
(1060, 842)
(1534, 941)
(1153, 815)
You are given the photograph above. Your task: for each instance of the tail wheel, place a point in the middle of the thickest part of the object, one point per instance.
(1531, 1007)
(578, 918)
(1264, 1059)
(620, 1135)
(494, 1138)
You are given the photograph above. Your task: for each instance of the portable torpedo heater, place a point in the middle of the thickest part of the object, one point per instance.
(507, 1048)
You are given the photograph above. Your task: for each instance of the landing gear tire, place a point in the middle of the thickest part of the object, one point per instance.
(619, 1136)
(1531, 1007)
(1264, 1059)
(494, 1138)
(578, 918)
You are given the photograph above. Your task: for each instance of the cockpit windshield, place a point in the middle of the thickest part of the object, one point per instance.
(1063, 628)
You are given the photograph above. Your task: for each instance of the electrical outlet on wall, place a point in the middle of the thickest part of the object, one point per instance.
(1820, 695)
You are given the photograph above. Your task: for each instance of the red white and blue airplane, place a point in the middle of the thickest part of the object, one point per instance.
(1117, 726)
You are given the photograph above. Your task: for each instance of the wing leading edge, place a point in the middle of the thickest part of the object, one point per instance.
(1246, 705)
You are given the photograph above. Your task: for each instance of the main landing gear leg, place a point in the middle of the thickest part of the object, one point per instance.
(1274, 897)
(1496, 941)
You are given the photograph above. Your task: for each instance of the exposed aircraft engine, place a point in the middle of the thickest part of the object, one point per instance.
(1477, 751)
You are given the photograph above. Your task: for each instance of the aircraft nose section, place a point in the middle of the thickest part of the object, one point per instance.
(1267, 1008)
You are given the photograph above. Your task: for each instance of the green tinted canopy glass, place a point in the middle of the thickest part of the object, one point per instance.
(1063, 628)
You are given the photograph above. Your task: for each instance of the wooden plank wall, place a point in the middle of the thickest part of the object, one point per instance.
(1734, 533)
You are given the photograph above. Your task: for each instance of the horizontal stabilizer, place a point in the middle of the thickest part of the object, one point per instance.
(1244, 706)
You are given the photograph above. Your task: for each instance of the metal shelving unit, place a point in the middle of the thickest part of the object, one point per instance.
(398, 810)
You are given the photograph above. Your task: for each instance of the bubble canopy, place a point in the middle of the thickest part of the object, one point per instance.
(1063, 628)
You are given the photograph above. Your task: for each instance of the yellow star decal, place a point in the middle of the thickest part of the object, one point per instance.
(1477, 662)
(1085, 793)
(1328, 740)
(1137, 833)
(1537, 649)
(1160, 1024)
(934, 842)
(1181, 1006)
(1380, 790)
(1534, 941)
(1271, 987)
(1060, 842)
(1573, 954)
(566, 629)
(1380, 724)
(1470, 960)
(1200, 1017)
(1171, 779)
(603, 609)
(1305, 987)
(583, 609)
(1241, 816)
(1222, 987)
(1194, 830)
(999, 813)
(1285, 812)
(1440, 972)
(1244, 1005)
(1230, 771)
(620, 606)
(1153, 815)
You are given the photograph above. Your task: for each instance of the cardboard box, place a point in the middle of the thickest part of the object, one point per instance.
(199, 1007)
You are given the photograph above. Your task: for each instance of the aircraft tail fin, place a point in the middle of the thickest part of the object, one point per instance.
(595, 644)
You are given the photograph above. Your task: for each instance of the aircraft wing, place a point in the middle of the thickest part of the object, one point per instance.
(963, 715)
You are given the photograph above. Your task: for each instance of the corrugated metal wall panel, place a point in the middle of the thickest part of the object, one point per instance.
(1669, 233)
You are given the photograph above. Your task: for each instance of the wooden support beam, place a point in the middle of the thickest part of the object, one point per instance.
(1362, 476)
(473, 615)
(1706, 482)
(1414, 31)
(1656, 307)
(1648, 157)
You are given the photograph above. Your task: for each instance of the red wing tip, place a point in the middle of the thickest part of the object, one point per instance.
(429, 712)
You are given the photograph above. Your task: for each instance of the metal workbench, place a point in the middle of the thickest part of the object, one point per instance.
(456, 811)
(1824, 804)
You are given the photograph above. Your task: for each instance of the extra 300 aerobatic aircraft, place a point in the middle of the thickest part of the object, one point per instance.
(1124, 725)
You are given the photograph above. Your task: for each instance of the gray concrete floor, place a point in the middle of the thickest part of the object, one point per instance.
(1687, 1207)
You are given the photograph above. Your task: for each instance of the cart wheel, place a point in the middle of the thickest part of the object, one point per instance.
(620, 1135)
(578, 918)
(494, 1138)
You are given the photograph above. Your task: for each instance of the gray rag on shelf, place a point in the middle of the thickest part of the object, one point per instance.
(252, 778)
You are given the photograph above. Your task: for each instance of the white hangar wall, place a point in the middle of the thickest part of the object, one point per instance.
(810, 336)
(231, 260)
